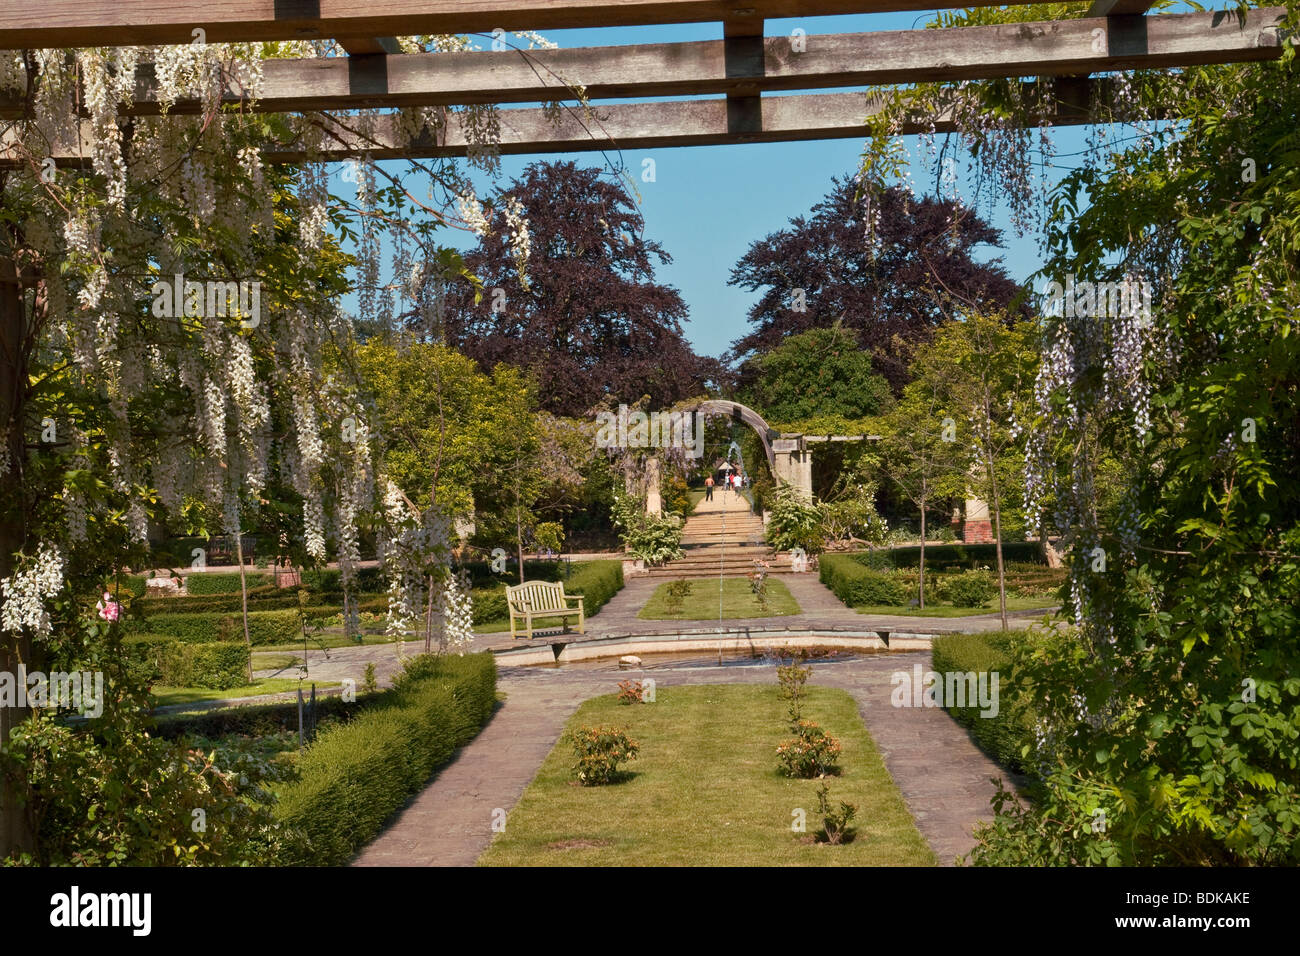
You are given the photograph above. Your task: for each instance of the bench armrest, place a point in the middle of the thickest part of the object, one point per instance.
(574, 597)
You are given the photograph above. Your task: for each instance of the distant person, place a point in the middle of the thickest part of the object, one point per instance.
(708, 488)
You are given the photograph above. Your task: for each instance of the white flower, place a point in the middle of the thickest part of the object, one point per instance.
(25, 592)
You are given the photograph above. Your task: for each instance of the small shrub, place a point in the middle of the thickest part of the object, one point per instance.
(631, 692)
(795, 523)
(653, 538)
(969, 589)
(369, 683)
(600, 750)
(676, 593)
(835, 821)
(548, 537)
(792, 678)
(813, 753)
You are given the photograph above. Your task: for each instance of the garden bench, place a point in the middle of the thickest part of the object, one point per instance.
(542, 599)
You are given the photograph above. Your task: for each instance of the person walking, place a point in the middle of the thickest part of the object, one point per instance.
(708, 488)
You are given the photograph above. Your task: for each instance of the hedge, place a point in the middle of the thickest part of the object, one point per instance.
(264, 627)
(368, 580)
(854, 584)
(219, 666)
(257, 720)
(356, 775)
(945, 556)
(268, 598)
(596, 581)
(223, 583)
(1003, 737)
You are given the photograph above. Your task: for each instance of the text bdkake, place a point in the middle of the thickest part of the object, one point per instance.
(626, 429)
(209, 299)
(951, 689)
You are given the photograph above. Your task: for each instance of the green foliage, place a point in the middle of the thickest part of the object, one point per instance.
(1009, 736)
(811, 753)
(945, 557)
(599, 752)
(818, 372)
(209, 583)
(856, 585)
(795, 522)
(836, 821)
(264, 627)
(596, 581)
(354, 776)
(793, 679)
(218, 665)
(676, 593)
(549, 536)
(852, 515)
(369, 683)
(653, 538)
(969, 589)
(490, 605)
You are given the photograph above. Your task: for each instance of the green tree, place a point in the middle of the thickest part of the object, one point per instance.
(980, 368)
(818, 372)
(913, 454)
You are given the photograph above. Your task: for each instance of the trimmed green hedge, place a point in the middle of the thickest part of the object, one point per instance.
(596, 581)
(854, 584)
(490, 605)
(257, 720)
(268, 598)
(264, 627)
(951, 556)
(219, 666)
(356, 775)
(1003, 737)
(205, 583)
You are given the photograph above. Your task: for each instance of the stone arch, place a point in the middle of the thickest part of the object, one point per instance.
(746, 415)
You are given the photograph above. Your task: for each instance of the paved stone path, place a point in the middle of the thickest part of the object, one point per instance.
(943, 777)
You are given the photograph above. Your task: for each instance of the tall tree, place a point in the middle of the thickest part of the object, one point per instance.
(573, 297)
(815, 373)
(822, 270)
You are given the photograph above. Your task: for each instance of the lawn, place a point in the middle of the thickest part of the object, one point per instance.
(705, 790)
(738, 601)
(267, 685)
(947, 610)
(274, 662)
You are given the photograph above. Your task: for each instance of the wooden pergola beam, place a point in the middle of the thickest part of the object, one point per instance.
(370, 46)
(76, 23)
(742, 66)
(634, 126)
(1116, 8)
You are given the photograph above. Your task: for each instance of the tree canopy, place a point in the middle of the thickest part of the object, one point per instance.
(587, 315)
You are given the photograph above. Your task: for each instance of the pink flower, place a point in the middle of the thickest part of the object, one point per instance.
(109, 609)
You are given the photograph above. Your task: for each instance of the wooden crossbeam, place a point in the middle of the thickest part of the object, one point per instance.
(634, 126)
(370, 46)
(1114, 8)
(74, 23)
(743, 66)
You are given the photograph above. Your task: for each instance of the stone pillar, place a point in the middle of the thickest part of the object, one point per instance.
(653, 501)
(793, 461)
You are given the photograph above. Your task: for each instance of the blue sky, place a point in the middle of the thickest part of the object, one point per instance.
(708, 203)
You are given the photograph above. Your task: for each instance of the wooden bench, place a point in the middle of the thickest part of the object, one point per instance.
(541, 599)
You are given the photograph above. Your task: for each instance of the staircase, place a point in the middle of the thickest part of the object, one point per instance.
(722, 536)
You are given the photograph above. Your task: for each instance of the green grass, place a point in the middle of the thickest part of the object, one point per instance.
(947, 610)
(267, 685)
(705, 790)
(276, 662)
(738, 601)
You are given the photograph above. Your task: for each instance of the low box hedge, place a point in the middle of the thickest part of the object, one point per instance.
(264, 627)
(1002, 737)
(219, 666)
(257, 720)
(204, 583)
(596, 581)
(356, 775)
(855, 584)
(943, 557)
